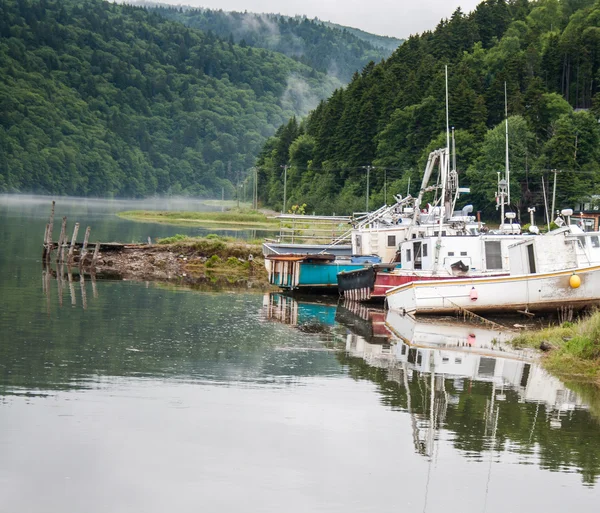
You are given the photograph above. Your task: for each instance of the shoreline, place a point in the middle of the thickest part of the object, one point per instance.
(191, 261)
(570, 351)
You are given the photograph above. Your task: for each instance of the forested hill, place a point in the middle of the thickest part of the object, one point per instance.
(387, 42)
(105, 99)
(331, 49)
(393, 114)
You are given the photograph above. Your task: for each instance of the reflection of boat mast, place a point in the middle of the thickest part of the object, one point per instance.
(413, 420)
(491, 418)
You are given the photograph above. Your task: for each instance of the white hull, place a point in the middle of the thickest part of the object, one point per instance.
(532, 292)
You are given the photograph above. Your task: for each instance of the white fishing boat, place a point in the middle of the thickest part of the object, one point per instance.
(561, 268)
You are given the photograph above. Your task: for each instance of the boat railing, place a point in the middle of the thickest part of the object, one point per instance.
(299, 229)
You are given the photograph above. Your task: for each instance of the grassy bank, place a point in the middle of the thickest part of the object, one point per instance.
(572, 349)
(219, 258)
(230, 219)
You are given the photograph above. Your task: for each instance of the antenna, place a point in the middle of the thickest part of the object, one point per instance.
(507, 166)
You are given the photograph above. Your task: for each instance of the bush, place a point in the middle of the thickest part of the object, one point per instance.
(213, 260)
(173, 239)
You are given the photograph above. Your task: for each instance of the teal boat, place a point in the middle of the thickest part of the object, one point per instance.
(316, 272)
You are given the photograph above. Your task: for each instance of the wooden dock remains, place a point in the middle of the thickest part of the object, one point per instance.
(78, 253)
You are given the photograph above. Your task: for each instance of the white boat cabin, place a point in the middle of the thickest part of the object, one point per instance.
(564, 248)
(459, 255)
(384, 237)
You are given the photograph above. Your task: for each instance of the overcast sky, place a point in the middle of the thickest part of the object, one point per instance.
(398, 18)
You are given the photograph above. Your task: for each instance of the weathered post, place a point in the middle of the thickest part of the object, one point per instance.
(149, 241)
(84, 247)
(45, 250)
(96, 253)
(49, 234)
(73, 240)
(61, 239)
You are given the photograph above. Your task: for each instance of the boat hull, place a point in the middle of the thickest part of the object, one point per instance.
(372, 284)
(504, 294)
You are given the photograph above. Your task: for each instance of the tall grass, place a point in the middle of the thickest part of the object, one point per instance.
(575, 347)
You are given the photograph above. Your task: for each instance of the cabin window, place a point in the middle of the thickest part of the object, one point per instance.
(525, 375)
(424, 250)
(403, 349)
(450, 253)
(445, 359)
(391, 241)
(358, 240)
(581, 241)
(458, 360)
(443, 233)
(487, 366)
(408, 255)
(595, 241)
(531, 258)
(493, 254)
(463, 253)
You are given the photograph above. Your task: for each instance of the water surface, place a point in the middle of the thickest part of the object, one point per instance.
(157, 399)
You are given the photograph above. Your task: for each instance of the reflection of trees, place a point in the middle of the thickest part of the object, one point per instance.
(464, 407)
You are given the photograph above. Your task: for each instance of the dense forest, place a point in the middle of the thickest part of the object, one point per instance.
(392, 114)
(112, 100)
(332, 49)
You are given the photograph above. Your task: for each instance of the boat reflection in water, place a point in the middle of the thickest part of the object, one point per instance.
(463, 384)
(310, 316)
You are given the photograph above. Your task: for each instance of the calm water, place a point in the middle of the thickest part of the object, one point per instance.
(156, 399)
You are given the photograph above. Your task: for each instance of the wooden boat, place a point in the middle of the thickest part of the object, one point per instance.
(559, 269)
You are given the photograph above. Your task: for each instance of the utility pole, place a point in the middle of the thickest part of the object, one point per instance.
(385, 185)
(285, 168)
(237, 189)
(555, 171)
(254, 188)
(368, 168)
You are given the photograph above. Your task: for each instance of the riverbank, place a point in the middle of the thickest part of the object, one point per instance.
(572, 350)
(190, 261)
(229, 219)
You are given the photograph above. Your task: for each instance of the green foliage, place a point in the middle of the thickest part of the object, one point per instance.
(103, 99)
(391, 115)
(172, 240)
(213, 261)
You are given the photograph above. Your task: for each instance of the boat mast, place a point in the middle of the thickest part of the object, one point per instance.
(507, 166)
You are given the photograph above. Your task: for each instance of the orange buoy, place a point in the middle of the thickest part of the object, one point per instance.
(473, 294)
(574, 281)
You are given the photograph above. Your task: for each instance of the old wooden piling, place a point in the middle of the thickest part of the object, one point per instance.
(61, 240)
(50, 243)
(84, 247)
(73, 240)
(96, 253)
(45, 248)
